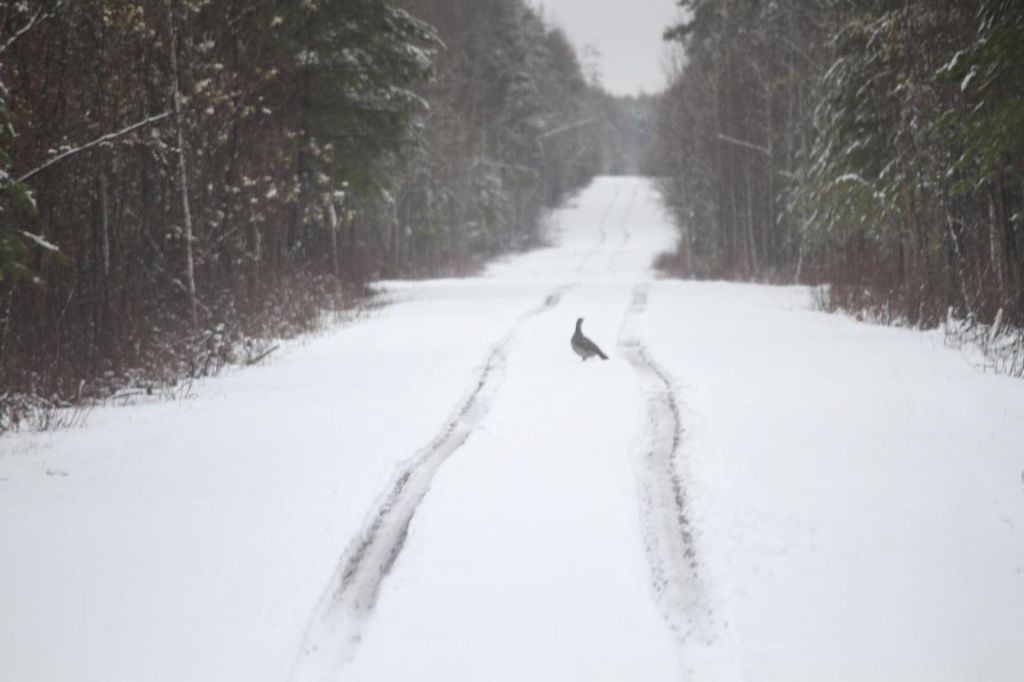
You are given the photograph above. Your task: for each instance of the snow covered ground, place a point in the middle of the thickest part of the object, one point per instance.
(746, 490)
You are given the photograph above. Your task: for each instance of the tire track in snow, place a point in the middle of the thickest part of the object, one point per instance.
(339, 618)
(624, 228)
(668, 536)
(603, 231)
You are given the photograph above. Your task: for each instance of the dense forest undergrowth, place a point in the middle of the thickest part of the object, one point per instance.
(182, 180)
(875, 147)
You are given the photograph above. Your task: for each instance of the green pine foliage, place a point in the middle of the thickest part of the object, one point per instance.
(880, 141)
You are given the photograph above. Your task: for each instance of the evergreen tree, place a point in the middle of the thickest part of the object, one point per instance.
(874, 145)
(220, 171)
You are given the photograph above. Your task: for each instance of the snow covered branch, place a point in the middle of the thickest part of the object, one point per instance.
(567, 127)
(747, 145)
(41, 15)
(98, 141)
(40, 241)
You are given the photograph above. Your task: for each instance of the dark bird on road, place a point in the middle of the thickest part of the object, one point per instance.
(584, 347)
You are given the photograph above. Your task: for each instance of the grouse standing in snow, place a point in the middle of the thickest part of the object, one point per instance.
(583, 346)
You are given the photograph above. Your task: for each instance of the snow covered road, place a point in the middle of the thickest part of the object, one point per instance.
(746, 490)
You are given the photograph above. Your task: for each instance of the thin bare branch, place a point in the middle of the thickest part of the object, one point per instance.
(40, 16)
(747, 145)
(566, 128)
(98, 141)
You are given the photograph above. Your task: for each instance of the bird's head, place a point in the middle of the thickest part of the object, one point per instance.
(579, 322)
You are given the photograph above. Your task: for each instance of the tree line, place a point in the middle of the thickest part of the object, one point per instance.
(875, 145)
(182, 178)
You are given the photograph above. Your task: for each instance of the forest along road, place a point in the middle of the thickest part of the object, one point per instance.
(748, 489)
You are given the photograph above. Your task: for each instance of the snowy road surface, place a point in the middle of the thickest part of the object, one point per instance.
(746, 490)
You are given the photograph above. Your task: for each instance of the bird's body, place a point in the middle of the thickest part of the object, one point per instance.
(584, 347)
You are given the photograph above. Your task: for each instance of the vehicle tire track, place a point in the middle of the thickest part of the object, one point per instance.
(340, 616)
(603, 232)
(668, 536)
(624, 228)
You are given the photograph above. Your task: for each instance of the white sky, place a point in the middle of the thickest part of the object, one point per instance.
(626, 34)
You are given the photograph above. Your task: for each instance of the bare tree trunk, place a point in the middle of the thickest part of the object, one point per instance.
(104, 230)
(105, 312)
(752, 237)
(995, 243)
(352, 238)
(960, 260)
(332, 215)
(1007, 239)
(190, 277)
(718, 166)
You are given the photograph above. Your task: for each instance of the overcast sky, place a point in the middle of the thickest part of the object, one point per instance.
(626, 34)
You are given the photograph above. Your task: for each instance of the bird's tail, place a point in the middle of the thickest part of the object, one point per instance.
(601, 353)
